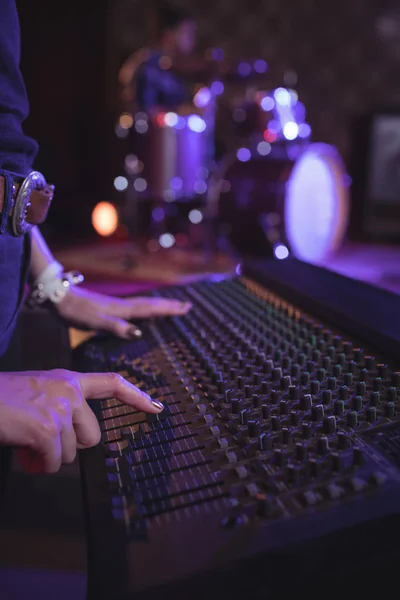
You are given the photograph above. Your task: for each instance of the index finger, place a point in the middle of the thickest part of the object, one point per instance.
(158, 307)
(112, 385)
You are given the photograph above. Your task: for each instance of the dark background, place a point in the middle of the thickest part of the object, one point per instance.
(346, 56)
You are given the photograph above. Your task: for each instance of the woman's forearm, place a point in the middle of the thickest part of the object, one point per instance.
(41, 253)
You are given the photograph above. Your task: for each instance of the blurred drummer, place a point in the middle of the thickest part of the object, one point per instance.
(150, 77)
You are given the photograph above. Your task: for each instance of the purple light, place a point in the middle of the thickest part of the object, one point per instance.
(217, 54)
(171, 119)
(217, 88)
(314, 188)
(274, 127)
(281, 252)
(176, 184)
(244, 69)
(243, 154)
(260, 66)
(181, 124)
(290, 130)
(158, 214)
(196, 124)
(282, 97)
(304, 131)
(267, 103)
(202, 98)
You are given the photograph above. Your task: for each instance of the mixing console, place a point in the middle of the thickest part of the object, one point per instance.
(281, 430)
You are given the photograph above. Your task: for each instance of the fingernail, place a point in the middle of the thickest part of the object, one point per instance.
(134, 332)
(157, 405)
(187, 305)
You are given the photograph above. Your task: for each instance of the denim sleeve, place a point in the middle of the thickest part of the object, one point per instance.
(17, 151)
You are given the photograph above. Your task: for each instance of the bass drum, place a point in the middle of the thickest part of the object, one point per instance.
(267, 202)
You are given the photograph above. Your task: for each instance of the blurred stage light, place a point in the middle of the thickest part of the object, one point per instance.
(126, 121)
(176, 184)
(141, 116)
(158, 214)
(243, 154)
(195, 216)
(140, 184)
(120, 183)
(316, 204)
(196, 124)
(270, 136)
(141, 126)
(264, 148)
(217, 54)
(202, 98)
(267, 103)
(304, 131)
(105, 218)
(244, 69)
(282, 97)
(200, 187)
(166, 240)
(217, 88)
(291, 130)
(131, 163)
(120, 132)
(171, 119)
(260, 66)
(281, 251)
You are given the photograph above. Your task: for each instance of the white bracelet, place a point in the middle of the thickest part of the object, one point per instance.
(53, 284)
(49, 274)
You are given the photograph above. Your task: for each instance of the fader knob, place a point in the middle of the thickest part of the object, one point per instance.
(329, 424)
(357, 403)
(395, 380)
(375, 399)
(276, 423)
(383, 371)
(254, 428)
(361, 388)
(257, 401)
(315, 387)
(331, 383)
(317, 412)
(323, 445)
(221, 386)
(301, 452)
(236, 405)
(306, 402)
(389, 410)
(352, 419)
(266, 411)
(339, 407)
(371, 414)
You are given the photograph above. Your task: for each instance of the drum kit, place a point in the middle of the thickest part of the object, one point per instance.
(242, 167)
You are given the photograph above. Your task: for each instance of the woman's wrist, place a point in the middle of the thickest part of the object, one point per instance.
(53, 284)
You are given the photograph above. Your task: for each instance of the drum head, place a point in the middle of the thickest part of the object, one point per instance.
(316, 204)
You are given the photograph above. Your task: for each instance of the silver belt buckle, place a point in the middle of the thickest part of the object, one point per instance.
(33, 181)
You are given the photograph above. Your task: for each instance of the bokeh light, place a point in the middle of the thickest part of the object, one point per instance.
(105, 218)
(120, 183)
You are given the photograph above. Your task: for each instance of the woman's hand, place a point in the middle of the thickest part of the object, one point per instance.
(96, 311)
(45, 414)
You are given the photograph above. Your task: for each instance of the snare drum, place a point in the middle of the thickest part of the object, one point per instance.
(174, 152)
(301, 202)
